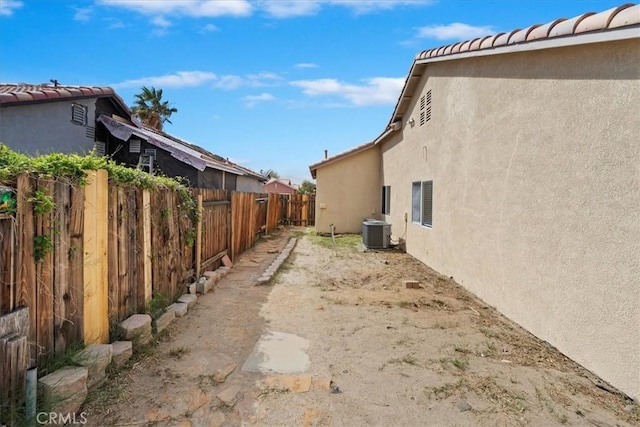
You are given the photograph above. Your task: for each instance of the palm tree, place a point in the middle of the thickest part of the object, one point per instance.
(150, 108)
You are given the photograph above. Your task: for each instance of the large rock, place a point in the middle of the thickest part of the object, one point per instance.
(65, 390)
(161, 323)
(228, 396)
(221, 374)
(95, 357)
(122, 351)
(188, 299)
(179, 308)
(137, 329)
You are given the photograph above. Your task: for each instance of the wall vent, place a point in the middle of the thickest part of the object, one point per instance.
(376, 234)
(90, 132)
(79, 114)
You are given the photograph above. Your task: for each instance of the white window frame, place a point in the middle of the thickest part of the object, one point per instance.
(386, 200)
(423, 218)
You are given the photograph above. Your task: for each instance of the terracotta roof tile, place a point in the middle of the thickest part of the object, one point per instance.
(629, 15)
(488, 41)
(624, 15)
(521, 36)
(568, 26)
(12, 93)
(542, 32)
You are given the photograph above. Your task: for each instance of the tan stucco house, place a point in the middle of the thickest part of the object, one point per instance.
(512, 163)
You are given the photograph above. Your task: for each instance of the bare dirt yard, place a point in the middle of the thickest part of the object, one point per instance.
(375, 353)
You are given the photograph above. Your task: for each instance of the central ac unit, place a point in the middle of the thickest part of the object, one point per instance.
(376, 234)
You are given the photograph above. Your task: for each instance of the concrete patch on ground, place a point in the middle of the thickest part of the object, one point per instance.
(279, 352)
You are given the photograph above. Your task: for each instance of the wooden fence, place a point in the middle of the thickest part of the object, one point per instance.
(102, 251)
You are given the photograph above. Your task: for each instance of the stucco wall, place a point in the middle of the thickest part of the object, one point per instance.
(278, 188)
(535, 162)
(348, 191)
(46, 128)
(249, 185)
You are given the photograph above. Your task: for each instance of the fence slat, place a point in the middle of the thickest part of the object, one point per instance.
(44, 275)
(26, 293)
(61, 270)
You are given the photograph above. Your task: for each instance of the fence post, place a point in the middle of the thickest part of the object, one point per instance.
(146, 245)
(199, 237)
(96, 290)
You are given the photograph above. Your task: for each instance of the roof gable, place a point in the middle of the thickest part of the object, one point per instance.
(13, 94)
(613, 24)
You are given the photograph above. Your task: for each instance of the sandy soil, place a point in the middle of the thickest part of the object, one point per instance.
(380, 354)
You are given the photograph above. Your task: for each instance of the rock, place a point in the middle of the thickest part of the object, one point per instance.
(65, 389)
(179, 308)
(191, 288)
(221, 375)
(204, 285)
(188, 299)
(264, 280)
(212, 275)
(217, 419)
(411, 284)
(463, 406)
(161, 323)
(122, 351)
(223, 271)
(228, 396)
(137, 328)
(95, 357)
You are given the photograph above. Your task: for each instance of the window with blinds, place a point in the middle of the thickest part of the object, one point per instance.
(386, 199)
(422, 203)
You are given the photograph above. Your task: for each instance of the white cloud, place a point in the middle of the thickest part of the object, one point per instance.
(178, 79)
(291, 8)
(193, 8)
(200, 78)
(161, 21)
(209, 28)
(83, 14)
(306, 65)
(7, 7)
(374, 91)
(229, 82)
(455, 31)
(252, 100)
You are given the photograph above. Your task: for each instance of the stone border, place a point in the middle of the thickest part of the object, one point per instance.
(66, 389)
(277, 263)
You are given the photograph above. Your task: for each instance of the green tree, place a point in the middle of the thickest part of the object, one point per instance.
(307, 187)
(150, 108)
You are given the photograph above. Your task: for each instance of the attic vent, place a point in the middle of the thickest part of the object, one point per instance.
(100, 148)
(134, 145)
(425, 108)
(90, 132)
(79, 114)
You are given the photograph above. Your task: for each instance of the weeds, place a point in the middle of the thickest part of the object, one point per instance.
(178, 353)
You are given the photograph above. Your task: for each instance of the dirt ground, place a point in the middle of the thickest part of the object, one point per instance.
(380, 354)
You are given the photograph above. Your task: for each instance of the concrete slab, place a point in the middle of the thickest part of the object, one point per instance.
(279, 352)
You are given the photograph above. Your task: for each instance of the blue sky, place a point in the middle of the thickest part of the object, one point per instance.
(270, 84)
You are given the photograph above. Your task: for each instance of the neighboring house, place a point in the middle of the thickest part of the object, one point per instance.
(279, 186)
(40, 119)
(511, 164)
